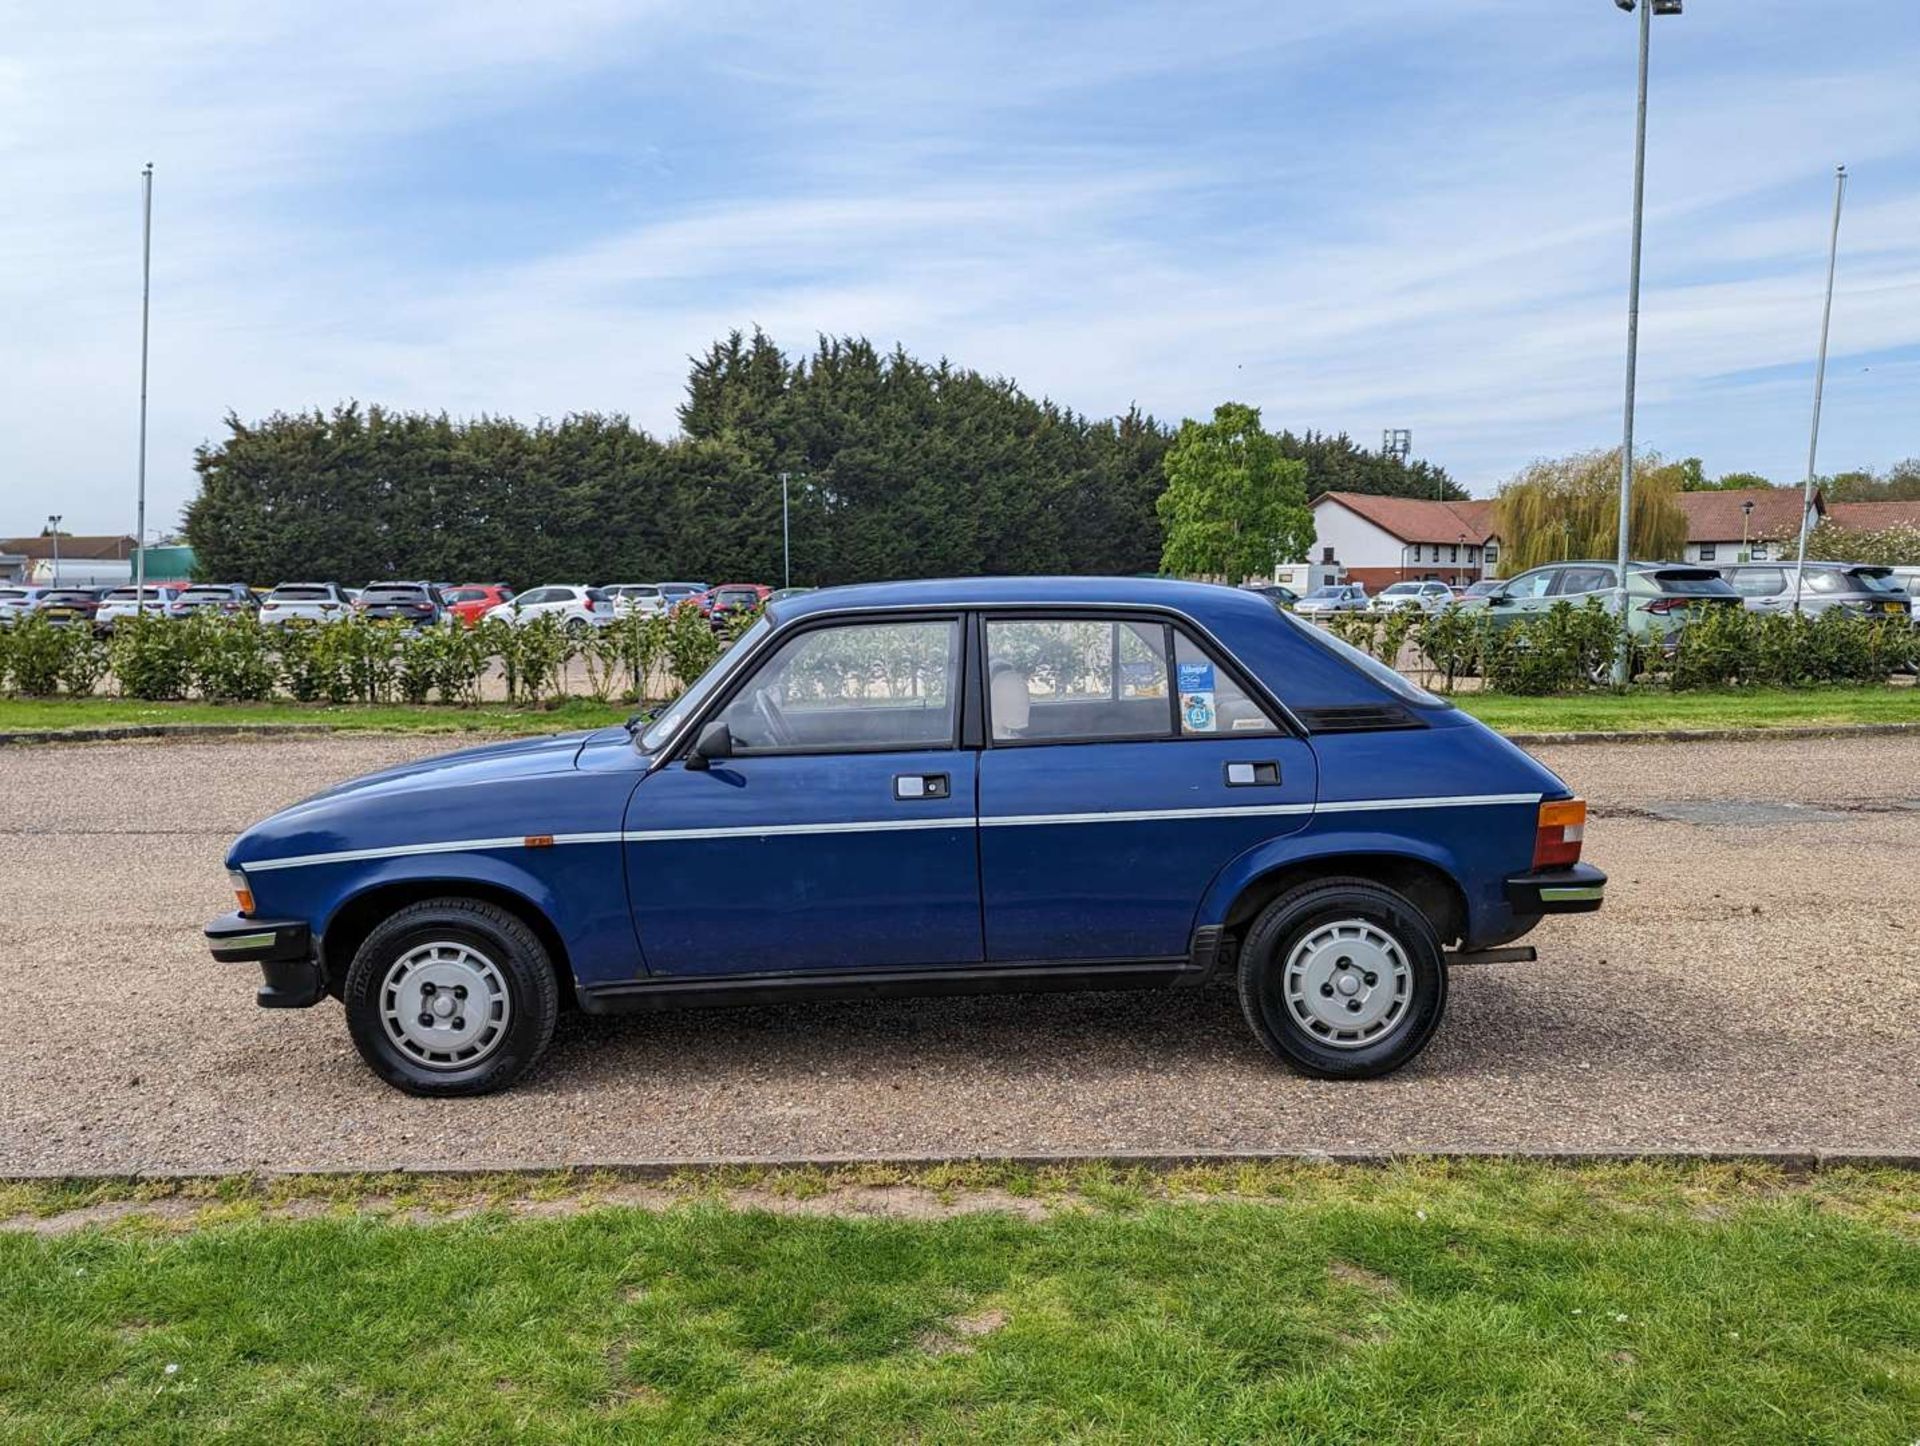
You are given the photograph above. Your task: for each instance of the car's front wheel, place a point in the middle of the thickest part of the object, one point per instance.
(451, 997)
(1343, 978)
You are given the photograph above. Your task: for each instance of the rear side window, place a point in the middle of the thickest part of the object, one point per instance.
(1210, 700)
(1577, 580)
(1062, 680)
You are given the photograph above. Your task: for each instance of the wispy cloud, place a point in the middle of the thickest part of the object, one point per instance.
(1379, 214)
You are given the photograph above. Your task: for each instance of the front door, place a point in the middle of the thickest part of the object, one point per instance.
(840, 834)
(1125, 767)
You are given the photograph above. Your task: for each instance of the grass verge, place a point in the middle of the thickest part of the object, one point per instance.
(1437, 1301)
(1647, 710)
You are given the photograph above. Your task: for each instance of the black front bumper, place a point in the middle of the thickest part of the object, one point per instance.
(1580, 889)
(283, 948)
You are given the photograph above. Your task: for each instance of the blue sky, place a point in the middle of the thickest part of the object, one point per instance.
(1354, 215)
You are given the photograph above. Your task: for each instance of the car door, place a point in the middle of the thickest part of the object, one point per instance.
(1582, 581)
(840, 833)
(1125, 765)
(1761, 589)
(1525, 597)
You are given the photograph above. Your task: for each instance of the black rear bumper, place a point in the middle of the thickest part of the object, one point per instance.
(283, 948)
(1580, 889)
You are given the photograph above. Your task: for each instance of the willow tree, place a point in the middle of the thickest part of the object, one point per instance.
(1570, 507)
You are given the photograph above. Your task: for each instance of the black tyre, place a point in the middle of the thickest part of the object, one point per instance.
(451, 997)
(1343, 979)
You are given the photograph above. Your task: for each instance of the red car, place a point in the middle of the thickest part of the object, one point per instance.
(469, 601)
(721, 602)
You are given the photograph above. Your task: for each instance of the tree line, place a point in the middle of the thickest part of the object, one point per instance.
(895, 467)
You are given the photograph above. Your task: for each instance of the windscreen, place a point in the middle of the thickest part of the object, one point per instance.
(1876, 579)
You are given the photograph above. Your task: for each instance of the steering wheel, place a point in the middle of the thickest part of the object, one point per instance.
(768, 712)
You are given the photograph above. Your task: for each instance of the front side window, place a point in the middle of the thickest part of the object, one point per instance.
(1532, 584)
(858, 687)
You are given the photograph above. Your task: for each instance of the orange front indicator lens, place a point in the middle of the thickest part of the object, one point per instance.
(1557, 838)
(242, 893)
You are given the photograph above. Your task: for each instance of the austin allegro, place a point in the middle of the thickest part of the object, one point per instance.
(928, 788)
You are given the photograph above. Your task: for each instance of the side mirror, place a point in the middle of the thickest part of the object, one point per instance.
(1498, 599)
(715, 741)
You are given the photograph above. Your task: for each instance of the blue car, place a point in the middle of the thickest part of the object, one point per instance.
(930, 788)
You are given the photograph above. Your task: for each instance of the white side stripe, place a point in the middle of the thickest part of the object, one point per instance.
(899, 825)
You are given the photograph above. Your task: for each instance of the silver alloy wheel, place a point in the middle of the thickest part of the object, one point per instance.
(445, 1005)
(1348, 984)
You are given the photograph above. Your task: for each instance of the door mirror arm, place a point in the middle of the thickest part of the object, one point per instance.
(715, 741)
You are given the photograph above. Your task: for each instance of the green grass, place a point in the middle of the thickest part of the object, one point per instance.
(1435, 1302)
(22, 714)
(1648, 709)
(1655, 708)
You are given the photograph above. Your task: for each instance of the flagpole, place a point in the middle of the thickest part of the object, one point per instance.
(146, 291)
(1819, 386)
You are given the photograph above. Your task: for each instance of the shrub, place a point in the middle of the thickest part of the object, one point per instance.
(1563, 650)
(640, 643)
(691, 644)
(152, 658)
(37, 648)
(1450, 641)
(357, 660)
(83, 661)
(305, 668)
(544, 649)
(231, 660)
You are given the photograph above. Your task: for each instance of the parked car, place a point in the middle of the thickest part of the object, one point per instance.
(118, 605)
(1427, 597)
(1333, 597)
(1284, 597)
(675, 593)
(636, 599)
(68, 606)
(303, 604)
(417, 604)
(1864, 591)
(578, 607)
(17, 601)
(230, 598)
(1662, 597)
(732, 598)
(1021, 808)
(472, 601)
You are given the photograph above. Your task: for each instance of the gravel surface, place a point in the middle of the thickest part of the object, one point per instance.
(1754, 983)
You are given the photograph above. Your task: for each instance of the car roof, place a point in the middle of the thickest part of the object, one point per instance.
(1203, 600)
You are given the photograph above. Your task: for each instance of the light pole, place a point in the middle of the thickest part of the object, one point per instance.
(53, 531)
(146, 288)
(1746, 526)
(1819, 385)
(786, 535)
(1647, 11)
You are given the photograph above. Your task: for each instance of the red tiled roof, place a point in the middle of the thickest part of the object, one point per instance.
(1873, 516)
(1717, 516)
(1419, 519)
(80, 549)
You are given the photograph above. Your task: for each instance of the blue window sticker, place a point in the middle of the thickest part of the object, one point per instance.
(1197, 713)
(1196, 677)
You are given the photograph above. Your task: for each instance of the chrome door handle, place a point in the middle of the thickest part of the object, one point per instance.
(1265, 773)
(912, 787)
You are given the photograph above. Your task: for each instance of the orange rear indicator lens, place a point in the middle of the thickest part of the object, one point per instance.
(1557, 838)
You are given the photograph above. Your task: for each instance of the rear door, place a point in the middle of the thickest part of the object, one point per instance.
(840, 835)
(1125, 765)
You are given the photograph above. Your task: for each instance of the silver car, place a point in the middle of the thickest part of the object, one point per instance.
(1335, 597)
(17, 602)
(1428, 597)
(156, 600)
(1864, 591)
(636, 599)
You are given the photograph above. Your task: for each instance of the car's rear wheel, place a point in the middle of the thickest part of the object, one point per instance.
(1343, 979)
(451, 997)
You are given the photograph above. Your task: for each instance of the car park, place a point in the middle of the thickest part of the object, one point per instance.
(1854, 588)
(68, 606)
(1662, 597)
(1426, 597)
(469, 602)
(417, 604)
(304, 604)
(17, 601)
(120, 604)
(636, 599)
(228, 598)
(1333, 597)
(989, 784)
(731, 599)
(575, 606)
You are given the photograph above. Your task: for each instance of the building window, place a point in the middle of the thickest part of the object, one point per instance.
(1492, 553)
(1453, 552)
(1759, 552)
(1706, 551)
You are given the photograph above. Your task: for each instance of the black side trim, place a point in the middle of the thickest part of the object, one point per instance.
(1359, 718)
(1534, 893)
(1203, 955)
(643, 994)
